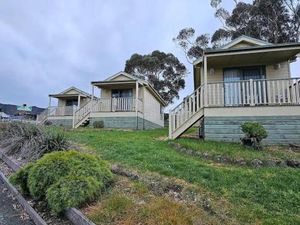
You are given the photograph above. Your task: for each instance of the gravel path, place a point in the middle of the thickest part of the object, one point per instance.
(11, 213)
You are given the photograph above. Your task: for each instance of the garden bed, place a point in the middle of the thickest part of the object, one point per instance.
(223, 158)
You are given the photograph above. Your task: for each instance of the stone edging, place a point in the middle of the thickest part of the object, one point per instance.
(256, 163)
(73, 214)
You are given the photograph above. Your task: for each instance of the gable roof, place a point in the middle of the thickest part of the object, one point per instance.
(121, 73)
(131, 78)
(65, 92)
(247, 39)
(261, 47)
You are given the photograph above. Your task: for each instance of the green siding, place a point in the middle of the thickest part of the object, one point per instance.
(125, 123)
(62, 122)
(281, 129)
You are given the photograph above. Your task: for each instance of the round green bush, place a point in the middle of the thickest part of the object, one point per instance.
(254, 130)
(71, 191)
(48, 170)
(45, 178)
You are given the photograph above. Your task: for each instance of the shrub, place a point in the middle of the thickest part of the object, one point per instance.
(63, 195)
(98, 124)
(64, 179)
(31, 142)
(21, 178)
(254, 132)
(47, 171)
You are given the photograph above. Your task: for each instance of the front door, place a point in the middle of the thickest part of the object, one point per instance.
(122, 100)
(233, 92)
(70, 105)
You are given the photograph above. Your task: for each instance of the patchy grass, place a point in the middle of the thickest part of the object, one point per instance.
(258, 196)
(132, 203)
(237, 151)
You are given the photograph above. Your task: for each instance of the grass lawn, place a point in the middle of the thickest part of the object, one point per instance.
(256, 196)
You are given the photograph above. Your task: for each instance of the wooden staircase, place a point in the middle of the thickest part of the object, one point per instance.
(82, 115)
(43, 116)
(186, 114)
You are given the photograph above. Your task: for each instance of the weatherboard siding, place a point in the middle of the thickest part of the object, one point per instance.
(273, 71)
(125, 123)
(281, 129)
(152, 108)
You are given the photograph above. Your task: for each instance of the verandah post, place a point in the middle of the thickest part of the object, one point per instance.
(205, 80)
(136, 103)
(170, 125)
(251, 93)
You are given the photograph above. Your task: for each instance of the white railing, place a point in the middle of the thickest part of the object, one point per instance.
(61, 111)
(55, 112)
(254, 92)
(106, 105)
(185, 110)
(117, 105)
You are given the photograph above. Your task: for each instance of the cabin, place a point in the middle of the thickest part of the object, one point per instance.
(68, 101)
(244, 80)
(124, 102)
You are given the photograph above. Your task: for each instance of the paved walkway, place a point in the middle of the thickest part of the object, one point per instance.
(11, 213)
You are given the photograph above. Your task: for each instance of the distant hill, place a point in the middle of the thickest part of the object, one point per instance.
(12, 109)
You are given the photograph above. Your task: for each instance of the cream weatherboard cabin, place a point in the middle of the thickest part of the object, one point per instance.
(68, 102)
(245, 80)
(124, 102)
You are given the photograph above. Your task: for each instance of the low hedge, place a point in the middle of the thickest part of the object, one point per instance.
(64, 179)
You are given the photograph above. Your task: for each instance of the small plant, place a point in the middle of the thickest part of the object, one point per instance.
(254, 134)
(64, 179)
(98, 124)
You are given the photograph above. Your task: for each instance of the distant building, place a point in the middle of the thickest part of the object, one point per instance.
(4, 116)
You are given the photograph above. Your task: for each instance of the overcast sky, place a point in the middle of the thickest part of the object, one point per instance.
(47, 46)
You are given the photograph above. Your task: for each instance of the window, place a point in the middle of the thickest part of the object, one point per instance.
(122, 100)
(72, 102)
(121, 93)
(244, 73)
(232, 96)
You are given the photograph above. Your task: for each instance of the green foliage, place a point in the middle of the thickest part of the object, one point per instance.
(45, 178)
(254, 130)
(162, 70)
(47, 171)
(21, 178)
(98, 124)
(274, 21)
(71, 191)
